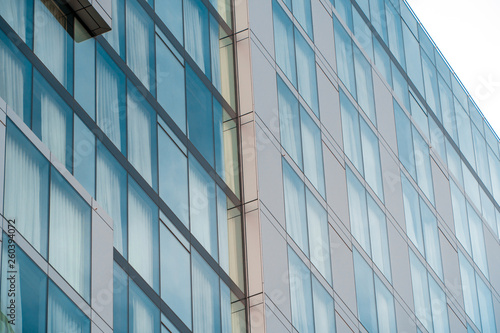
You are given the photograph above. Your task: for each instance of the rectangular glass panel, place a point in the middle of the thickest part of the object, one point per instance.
(300, 293)
(306, 72)
(116, 37)
(284, 43)
(351, 132)
(431, 239)
(196, 34)
(302, 12)
(365, 293)
(485, 306)
(412, 54)
(385, 308)
(371, 159)
(120, 299)
(324, 313)
(85, 73)
(405, 144)
(439, 307)
(395, 33)
(170, 12)
(477, 240)
(469, 290)
(289, 122)
(63, 315)
(363, 33)
(144, 316)
(313, 153)
(364, 85)
(423, 166)
(431, 84)
(421, 296)
(345, 60)
(358, 212)
(412, 214)
(460, 217)
(378, 237)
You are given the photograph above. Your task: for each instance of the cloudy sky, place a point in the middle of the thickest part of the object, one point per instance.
(468, 34)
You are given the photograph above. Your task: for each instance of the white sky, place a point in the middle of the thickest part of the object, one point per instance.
(468, 34)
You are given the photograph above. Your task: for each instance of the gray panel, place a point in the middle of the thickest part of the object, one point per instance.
(275, 262)
(455, 324)
(343, 271)
(270, 175)
(442, 195)
(265, 91)
(451, 268)
(492, 254)
(261, 22)
(329, 107)
(323, 32)
(342, 326)
(102, 269)
(385, 113)
(274, 324)
(400, 263)
(391, 177)
(404, 322)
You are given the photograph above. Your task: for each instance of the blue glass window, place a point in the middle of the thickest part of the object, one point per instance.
(69, 234)
(365, 293)
(120, 299)
(324, 313)
(302, 12)
(306, 72)
(289, 122)
(300, 293)
(84, 156)
(19, 15)
(364, 85)
(170, 83)
(144, 316)
(395, 33)
(371, 159)
(63, 315)
(15, 81)
(196, 33)
(284, 43)
(170, 12)
(363, 33)
(345, 60)
(116, 37)
(351, 132)
(85, 73)
(312, 151)
(382, 61)
(111, 100)
(344, 8)
(405, 141)
(26, 180)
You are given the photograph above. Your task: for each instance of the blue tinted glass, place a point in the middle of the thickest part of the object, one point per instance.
(378, 237)
(63, 315)
(363, 33)
(365, 293)
(324, 313)
(412, 53)
(385, 308)
(447, 109)
(421, 296)
(357, 211)
(351, 132)
(431, 239)
(395, 34)
(206, 297)
(371, 159)
(111, 100)
(202, 207)
(400, 86)
(485, 306)
(460, 217)
(120, 299)
(197, 34)
(438, 306)
(423, 167)
(289, 122)
(477, 240)
(295, 207)
(143, 234)
(382, 61)
(172, 165)
(344, 8)
(69, 234)
(19, 15)
(313, 153)
(170, 12)
(140, 44)
(116, 37)
(26, 179)
(111, 194)
(199, 113)
(431, 84)
(364, 85)
(300, 293)
(52, 121)
(31, 295)
(284, 43)
(412, 214)
(377, 11)
(468, 278)
(175, 275)
(141, 135)
(317, 221)
(144, 316)
(170, 84)
(405, 144)
(302, 12)
(306, 72)
(53, 45)
(345, 61)
(85, 75)
(84, 156)
(15, 82)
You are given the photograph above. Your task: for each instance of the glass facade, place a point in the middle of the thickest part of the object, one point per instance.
(240, 166)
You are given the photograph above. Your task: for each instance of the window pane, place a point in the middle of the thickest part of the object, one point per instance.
(420, 292)
(170, 12)
(477, 240)
(471, 186)
(344, 8)
(423, 165)
(317, 220)
(405, 144)
(431, 239)
(116, 37)
(357, 211)
(300, 293)
(431, 84)
(202, 207)
(419, 115)
(313, 154)
(306, 72)
(400, 86)
(351, 132)
(206, 302)
(469, 290)
(365, 293)
(377, 11)
(485, 306)
(439, 307)
(412, 214)
(15, 83)
(111, 112)
(144, 316)
(284, 43)
(69, 234)
(53, 45)
(324, 313)
(197, 34)
(30, 296)
(143, 234)
(84, 156)
(412, 53)
(120, 299)
(378, 238)
(371, 159)
(454, 162)
(112, 195)
(141, 123)
(363, 34)
(199, 113)
(302, 12)
(295, 209)
(63, 315)
(173, 173)
(395, 33)
(385, 308)
(26, 180)
(85, 72)
(289, 122)
(19, 15)
(140, 44)
(460, 217)
(175, 275)
(447, 109)
(382, 61)
(364, 85)
(52, 121)
(345, 62)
